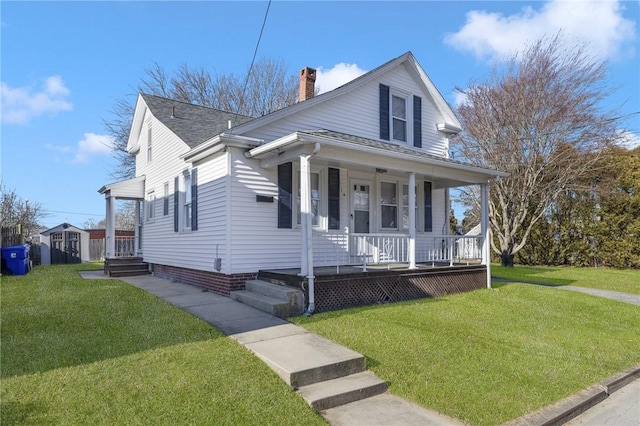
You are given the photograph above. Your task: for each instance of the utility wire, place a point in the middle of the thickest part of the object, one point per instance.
(255, 52)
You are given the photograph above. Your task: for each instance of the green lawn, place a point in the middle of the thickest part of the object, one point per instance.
(623, 280)
(490, 356)
(76, 351)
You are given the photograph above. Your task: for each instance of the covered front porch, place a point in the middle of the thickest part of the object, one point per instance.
(385, 187)
(351, 285)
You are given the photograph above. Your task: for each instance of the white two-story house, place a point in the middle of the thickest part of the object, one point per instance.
(346, 192)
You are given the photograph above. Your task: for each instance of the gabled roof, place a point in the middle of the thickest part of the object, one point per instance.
(62, 227)
(193, 124)
(451, 121)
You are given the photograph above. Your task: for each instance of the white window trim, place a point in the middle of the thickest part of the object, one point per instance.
(150, 210)
(165, 199)
(185, 202)
(380, 205)
(149, 143)
(408, 98)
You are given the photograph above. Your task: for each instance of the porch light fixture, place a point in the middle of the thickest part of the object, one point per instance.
(381, 170)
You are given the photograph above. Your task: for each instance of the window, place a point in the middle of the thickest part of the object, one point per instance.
(149, 143)
(315, 199)
(151, 198)
(186, 206)
(165, 199)
(399, 118)
(400, 115)
(405, 207)
(388, 205)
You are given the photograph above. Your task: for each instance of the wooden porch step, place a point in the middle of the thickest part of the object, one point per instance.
(126, 267)
(343, 390)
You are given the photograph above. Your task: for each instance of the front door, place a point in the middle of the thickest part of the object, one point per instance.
(360, 206)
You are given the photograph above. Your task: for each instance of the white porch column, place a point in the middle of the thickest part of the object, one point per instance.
(412, 220)
(137, 230)
(110, 229)
(306, 225)
(484, 224)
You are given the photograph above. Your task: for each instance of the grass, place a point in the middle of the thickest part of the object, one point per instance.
(76, 351)
(625, 281)
(490, 356)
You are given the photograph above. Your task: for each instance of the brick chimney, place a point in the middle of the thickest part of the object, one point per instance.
(307, 83)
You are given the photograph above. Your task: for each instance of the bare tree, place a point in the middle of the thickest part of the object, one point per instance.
(266, 87)
(532, 119)
(16, 211)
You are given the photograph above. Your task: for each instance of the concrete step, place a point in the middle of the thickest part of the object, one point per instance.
(306, 358)
(277, 307)
(276, 291)
(343, 390)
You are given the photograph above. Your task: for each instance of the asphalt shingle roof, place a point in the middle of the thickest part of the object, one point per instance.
(193, 124)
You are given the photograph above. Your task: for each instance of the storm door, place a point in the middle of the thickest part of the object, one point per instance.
(360, 206)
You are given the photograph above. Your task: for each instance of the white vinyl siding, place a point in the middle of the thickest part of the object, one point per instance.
(357, 113)
(194, 250)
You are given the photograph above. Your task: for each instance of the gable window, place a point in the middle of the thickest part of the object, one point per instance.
(149, 143)
(388, 205)
(399, 117)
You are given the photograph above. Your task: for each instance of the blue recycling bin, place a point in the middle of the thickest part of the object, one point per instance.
(17, 259)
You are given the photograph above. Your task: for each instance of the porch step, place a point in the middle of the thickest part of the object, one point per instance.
(343, 390)
(270, 305)
(274, 299)
(126, 267)
(290, 294)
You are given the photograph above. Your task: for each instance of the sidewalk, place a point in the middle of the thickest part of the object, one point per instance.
(290, 350)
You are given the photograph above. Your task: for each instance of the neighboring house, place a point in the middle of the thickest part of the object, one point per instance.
(356, 176)
(64, 243)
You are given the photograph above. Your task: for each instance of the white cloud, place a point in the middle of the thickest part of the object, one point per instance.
(629, 140)
(598, 24)
(459, 98)
(92, 145)
(21, 104)
(329, 79)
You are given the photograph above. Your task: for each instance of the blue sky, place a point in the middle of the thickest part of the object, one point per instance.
(64, 64)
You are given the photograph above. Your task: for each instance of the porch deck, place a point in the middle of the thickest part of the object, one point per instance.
(349, 285)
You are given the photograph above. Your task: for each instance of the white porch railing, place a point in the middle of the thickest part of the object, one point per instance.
(362, 249)
(125, 246)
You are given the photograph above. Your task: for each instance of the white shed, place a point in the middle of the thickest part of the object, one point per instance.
(64, 243)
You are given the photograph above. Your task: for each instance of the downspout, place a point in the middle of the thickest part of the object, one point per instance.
(307, 225)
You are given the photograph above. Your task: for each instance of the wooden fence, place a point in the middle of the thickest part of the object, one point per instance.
(12, 236)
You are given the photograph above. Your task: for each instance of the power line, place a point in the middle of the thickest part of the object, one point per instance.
(82, 214)
(255, 52)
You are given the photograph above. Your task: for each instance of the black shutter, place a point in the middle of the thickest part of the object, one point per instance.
(285, 187)
(194, 199)
(176, 202)
(428, 208)
(334, 198)
(417, 121)
(384, 112)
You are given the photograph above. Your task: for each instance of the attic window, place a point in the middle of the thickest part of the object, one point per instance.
(399, 117)
(149, 143)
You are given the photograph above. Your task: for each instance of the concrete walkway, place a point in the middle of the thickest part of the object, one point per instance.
(607, 294)
(291, 351)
